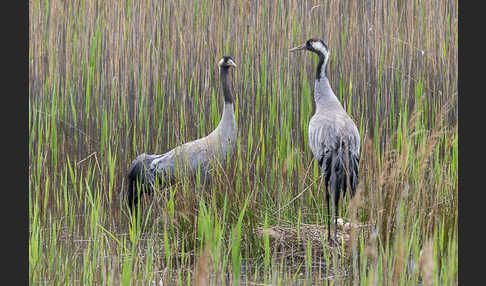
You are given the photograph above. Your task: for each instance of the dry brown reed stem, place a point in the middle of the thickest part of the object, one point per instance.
(203, 268)
(427, 263)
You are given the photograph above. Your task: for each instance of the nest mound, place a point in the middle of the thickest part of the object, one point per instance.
(294, 240)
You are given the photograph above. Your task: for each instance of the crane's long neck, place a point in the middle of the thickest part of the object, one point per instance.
(227, 126)
(228, 99)
(321, 66)
(323, 93)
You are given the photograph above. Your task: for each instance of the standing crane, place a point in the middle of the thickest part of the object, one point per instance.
(186, 159)
(333, 136)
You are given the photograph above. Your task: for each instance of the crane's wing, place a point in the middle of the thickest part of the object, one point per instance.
(185, 159)
(335, 144)
(141, 168)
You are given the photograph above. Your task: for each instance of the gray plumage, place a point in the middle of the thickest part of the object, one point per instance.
(333, 136)
(185, 159)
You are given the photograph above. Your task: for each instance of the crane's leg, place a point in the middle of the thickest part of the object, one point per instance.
(326, 183)
(336, 208)
(325, 164)
(328, 216)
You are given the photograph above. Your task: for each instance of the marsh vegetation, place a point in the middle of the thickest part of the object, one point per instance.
(109, 80)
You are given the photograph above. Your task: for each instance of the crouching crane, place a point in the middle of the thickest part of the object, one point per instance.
(189, 157)
(333, 136)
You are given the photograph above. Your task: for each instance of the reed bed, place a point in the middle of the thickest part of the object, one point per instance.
(109, 80)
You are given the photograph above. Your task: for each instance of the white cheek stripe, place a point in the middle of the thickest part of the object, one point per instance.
(318, 46)
(220, 62)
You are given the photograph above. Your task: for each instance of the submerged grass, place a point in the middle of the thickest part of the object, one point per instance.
(109, 80)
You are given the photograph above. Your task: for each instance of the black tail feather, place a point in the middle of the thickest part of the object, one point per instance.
(340, 168)
(353, 173)
(137, 177)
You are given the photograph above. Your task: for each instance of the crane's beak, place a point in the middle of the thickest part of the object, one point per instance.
(298, 48)
(232, 63)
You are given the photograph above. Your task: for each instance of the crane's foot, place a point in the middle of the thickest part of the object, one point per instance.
(332, 240)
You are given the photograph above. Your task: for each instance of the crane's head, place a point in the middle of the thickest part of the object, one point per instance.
(314, 45)
(226, 62)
